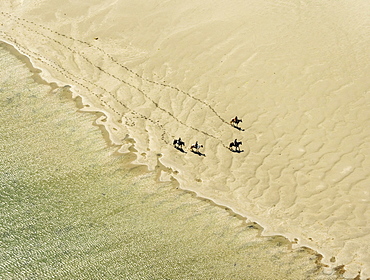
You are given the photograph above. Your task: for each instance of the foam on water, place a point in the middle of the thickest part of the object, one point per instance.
(294, 71)
(73, 208)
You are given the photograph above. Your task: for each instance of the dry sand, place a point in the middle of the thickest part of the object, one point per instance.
(296, 72)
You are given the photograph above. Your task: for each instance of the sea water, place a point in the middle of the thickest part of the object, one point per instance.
(72, 207)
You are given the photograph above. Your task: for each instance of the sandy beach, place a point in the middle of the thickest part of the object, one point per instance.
(294, 72)
(75, 208)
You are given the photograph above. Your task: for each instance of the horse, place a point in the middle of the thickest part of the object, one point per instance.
(235, 144)
(196, 146)
(235, 121)
(178, 143)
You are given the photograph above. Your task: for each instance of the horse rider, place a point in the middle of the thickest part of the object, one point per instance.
(235, 120)
(178, 142)
(196, 146)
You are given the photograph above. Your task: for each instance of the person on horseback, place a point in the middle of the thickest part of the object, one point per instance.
(235, 121)
(178, 143)
(196, 147)
(236, 145)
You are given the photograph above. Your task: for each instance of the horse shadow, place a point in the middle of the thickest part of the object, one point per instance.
(199, 153)
(180, 149)
(237, 151)
(238, 128)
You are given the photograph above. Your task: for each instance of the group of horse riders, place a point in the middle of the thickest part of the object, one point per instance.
(178, 143)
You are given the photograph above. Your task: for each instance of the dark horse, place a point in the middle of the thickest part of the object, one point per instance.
(178, 144)
(236, 145)
(235, 122)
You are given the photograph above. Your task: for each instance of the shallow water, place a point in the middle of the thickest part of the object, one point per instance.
(74, 208)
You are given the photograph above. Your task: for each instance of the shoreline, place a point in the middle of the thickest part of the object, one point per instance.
(132, 153)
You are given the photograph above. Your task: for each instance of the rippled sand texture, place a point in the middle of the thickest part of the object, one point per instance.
(295, 72)
(73, 208)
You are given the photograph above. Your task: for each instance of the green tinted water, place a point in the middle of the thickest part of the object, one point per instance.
(73, 208)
